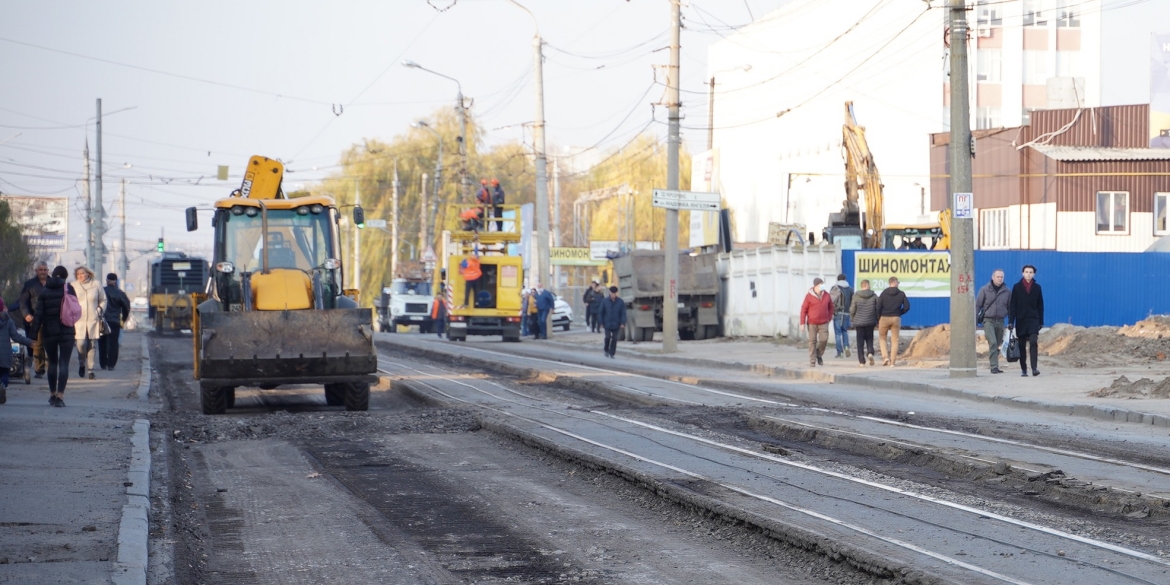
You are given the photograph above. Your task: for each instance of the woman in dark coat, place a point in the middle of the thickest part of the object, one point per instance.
(1027, 316)
(58, 338)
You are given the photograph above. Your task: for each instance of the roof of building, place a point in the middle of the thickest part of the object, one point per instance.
(1097, 153)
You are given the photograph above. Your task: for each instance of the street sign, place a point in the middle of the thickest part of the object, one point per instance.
(573, 257)
(428, 255)
(964, 207)
(686, 200)
(376, 223)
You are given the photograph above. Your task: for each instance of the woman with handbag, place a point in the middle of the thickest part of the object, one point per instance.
(1027, 316)
(92, 325)
(56, 335)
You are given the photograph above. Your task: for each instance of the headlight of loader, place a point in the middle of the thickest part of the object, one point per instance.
(225, 267)
(332, 264)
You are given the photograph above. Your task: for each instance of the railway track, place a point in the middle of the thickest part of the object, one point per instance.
(871, 521)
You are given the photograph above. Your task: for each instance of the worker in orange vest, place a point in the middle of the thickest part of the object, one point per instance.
(439, 311)
(470, 271)
(472, 218)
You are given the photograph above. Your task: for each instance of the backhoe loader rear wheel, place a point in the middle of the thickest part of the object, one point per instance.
(215, 398)
(335, 394)
(357, 396)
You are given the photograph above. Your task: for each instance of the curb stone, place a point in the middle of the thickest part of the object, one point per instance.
(134, 529)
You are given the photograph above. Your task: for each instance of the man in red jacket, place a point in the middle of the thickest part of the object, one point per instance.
(816, 312)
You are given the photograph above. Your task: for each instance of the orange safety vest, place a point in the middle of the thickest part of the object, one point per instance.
(469, 268)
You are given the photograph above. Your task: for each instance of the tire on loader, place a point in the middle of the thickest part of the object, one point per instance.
(357, 396)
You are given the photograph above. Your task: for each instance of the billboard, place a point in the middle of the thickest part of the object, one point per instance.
(705, 178)
(920, 274)
(43, 220)
(1160, 91)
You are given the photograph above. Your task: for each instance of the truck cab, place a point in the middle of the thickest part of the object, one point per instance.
(406, 302)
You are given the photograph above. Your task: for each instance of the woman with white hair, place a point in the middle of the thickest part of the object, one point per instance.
(88, 328)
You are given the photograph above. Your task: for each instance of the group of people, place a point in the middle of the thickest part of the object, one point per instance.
(535, 305)
(97, 312)
(490, 198)
(1021, 308)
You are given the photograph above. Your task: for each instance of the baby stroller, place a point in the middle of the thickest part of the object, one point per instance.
(20, 364)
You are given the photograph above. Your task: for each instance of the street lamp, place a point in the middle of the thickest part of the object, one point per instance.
(438, 174)
(461, 110)
(542, 231)
(711, 102)
(95, 249)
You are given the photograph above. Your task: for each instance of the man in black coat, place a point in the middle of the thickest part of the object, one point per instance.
(117, 311)
(28, 304)
(1027, 316)
(892, 304)
(612, 316)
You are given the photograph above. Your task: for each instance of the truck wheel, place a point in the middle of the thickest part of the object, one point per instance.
(700, 332)
(712, 331)
(645, 334)
(335, 394)
(214, 399)
(158, 323)
(230, 397)
(357, 396)
(686, 334)
(567, 324)
(393, 328)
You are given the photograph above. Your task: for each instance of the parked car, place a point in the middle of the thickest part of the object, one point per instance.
(562, 314)
(139, 303)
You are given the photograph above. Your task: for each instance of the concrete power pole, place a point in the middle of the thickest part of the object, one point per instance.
(394, 224)
(98, 212)
(89, 227)
(556, 221)
(357, 243)
(422, 215)
(123, 260)
(963, 356)
(542, 233)
(670, 278)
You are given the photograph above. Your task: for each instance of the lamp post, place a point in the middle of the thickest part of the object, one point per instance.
(461, 111)
(96, 222)
(437, 180)
(711, 102)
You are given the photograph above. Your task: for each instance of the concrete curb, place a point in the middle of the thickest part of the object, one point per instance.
(134, 530)
(1097, 411)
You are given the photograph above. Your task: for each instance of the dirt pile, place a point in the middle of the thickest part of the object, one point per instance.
(932, 342)
(1141, 388)
(1145, 341)
(1153, 327)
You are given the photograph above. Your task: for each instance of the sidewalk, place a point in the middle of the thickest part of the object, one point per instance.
(74, 481)
(1060, 388)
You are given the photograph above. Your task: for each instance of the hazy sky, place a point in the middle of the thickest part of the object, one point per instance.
(214, 82)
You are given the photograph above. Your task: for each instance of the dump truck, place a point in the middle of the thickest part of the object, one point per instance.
(492, 305)
(276, 312)
(639, 276)
(407, 301)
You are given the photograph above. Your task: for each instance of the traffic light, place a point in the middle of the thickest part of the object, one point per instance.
(160, 245)
(359, 217)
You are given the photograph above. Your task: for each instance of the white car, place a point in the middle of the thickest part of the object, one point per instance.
(139, 303)
(562, 314)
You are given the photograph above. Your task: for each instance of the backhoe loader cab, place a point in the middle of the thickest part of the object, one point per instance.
(276, 312)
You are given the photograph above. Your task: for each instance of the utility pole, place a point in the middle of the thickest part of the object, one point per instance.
(98, 212)
(357, 242)
(670, 278)
(464, 181)
(422, 215)
(710, 116)
(963, 356)
(123, 260)
(394, 225)
(89, 227)
(556, 181)
(542, 233)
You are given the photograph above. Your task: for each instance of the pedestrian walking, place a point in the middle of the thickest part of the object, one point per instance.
(595, 308)
(842, 297)
(525, 298)
(992, 305)
(612, 315)
(863, 311)
(1027, 316)
(439, 311)
(815, 313)
(89, 327)
(498, 203)
(892, 304)
(545, 301)
(589, 298)
(27, 303)
(116, 313)
(530, 316)
(56, 336)
(8, 334)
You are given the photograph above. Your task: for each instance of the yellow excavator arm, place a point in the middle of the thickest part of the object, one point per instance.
(861, 174)
(262, 179)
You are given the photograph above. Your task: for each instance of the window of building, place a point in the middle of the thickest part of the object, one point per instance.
(1034, 13)
(988, 13)
(1112, 212)
(1067, 14)
(1036, 67)
(993, 229)
(990, 65)
(1068, 63)
(987, 117)
(1161, 203)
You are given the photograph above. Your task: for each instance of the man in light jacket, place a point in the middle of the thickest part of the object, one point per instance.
(816, 312)
(995, 301)
(892, 304)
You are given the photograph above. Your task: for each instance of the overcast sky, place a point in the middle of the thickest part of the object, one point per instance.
(213, 82)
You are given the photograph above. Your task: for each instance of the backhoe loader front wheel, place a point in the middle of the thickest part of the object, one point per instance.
(217, 399)
(357, 396)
